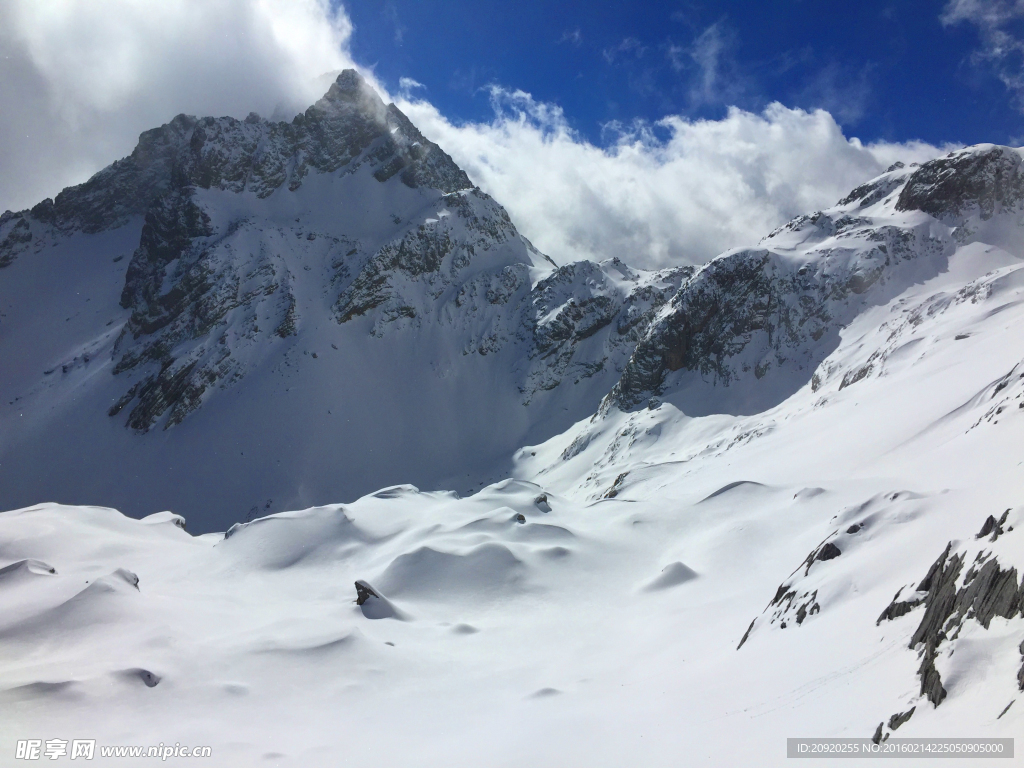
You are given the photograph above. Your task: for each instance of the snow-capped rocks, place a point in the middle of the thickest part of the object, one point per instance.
(189, 277)
(579, 301)
(750, 312)
(350, 123)
(373, 604)
(776, 311)
(15, 237)
(980, 181)
(986, 590)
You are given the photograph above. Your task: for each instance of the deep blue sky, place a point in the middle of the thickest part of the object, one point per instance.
(886, 70)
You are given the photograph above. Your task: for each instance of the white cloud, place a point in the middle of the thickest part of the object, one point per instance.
(1002, 49)
(80, 79)
(406, 85)
(678, 191)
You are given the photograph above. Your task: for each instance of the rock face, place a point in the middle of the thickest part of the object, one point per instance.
(201, 284)
(980, 181)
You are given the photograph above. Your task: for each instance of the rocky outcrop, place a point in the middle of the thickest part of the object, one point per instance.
(364, 592)
(987, 590)
(982, 181)
(204, 284)
(428, 261)
(15, 237)
(579, 301)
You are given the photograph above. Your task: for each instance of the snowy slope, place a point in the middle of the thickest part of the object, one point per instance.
(797, 513)
(247, 316)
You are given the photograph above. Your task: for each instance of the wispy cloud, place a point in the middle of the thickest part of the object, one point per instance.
(710, 59)
(629, 47)
(843, 91)
(406, 85)
(572, 37)
(708, 52)
(1002, 38)
(391, 13)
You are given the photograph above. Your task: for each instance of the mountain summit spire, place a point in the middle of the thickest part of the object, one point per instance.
(350, 93)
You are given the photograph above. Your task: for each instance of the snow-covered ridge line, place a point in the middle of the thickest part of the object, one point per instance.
(348, 127)
(775, 312)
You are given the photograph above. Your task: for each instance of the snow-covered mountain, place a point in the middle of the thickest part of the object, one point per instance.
(388, 321)
(777, 495)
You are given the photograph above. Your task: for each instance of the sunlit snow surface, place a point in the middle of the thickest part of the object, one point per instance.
(601, 627)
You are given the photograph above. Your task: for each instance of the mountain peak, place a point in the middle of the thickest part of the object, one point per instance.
(349, 81)
(350, 94)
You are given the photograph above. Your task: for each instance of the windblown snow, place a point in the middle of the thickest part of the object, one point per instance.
(666, 518)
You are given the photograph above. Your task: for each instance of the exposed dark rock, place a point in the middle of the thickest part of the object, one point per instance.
(802, 611)
(898, 608)
(828, 552)
(993, 526)
(824, 552)
(965, 182)
(758, 302)
(128, 577)
(852, 377)
(563, 317)
(747, 633)
(877, 738)
(14, 238)
(986, 592)
(350, 122)
(900, 718)
(931, 681)
(612, 492)
(374, 605)
(364, 592)
(940, 586)
(876, 189)
(1020, 675)
(542, 503)
(151, 680)
(987, 528)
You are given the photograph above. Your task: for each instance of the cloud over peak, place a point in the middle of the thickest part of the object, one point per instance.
(80, 79)
(672, 192)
